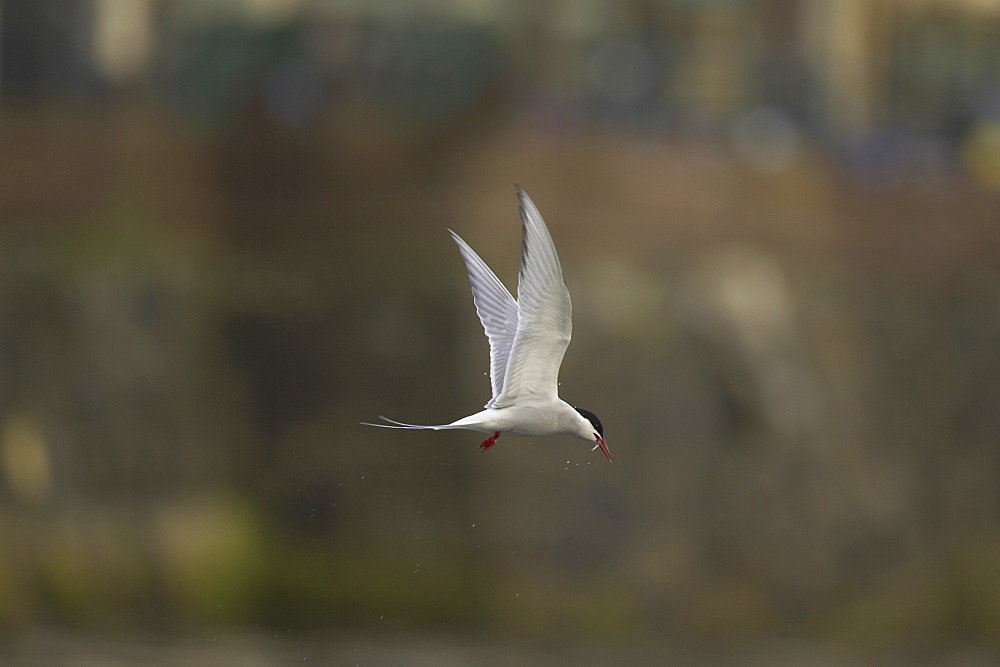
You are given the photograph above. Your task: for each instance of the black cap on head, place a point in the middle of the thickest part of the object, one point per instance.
(592, 418)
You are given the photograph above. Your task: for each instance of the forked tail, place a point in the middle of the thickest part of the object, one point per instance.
(395, 424)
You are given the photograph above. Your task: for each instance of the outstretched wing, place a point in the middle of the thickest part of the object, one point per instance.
(497, 311)
(544, 315)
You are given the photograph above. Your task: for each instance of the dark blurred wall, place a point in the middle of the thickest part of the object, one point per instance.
(45, 50)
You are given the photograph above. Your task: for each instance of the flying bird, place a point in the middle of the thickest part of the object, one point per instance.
(528, 338)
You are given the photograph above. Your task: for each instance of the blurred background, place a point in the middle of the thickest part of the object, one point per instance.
(223, 244)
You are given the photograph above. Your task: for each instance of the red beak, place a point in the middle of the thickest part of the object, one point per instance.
(604, 447)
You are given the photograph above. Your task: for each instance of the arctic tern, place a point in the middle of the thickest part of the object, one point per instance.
(528, 338)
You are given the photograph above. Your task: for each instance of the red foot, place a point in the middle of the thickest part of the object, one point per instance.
(489, 442)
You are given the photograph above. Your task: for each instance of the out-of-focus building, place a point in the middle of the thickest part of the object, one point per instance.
(837, 68)
(46, 47)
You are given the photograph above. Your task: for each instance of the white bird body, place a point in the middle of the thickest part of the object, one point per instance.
(528, 338)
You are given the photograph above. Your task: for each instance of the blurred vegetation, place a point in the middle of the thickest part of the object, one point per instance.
(216, 258)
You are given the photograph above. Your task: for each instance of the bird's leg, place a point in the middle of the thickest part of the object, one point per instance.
(489, 442)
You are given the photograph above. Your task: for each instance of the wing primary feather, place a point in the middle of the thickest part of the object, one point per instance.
(497, 312)
(544, 314)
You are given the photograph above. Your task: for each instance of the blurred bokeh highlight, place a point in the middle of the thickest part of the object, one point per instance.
(223, 244)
